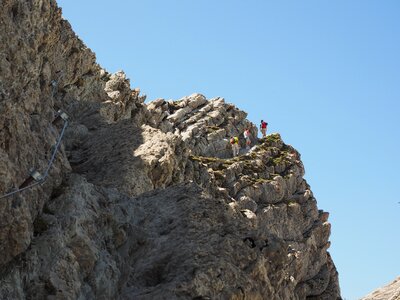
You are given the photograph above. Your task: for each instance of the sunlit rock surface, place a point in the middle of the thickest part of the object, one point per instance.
(143, 201)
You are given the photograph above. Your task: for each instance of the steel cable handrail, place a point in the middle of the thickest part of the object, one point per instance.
(51, 161)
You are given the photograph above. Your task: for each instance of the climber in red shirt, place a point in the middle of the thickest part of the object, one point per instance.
(263, 127)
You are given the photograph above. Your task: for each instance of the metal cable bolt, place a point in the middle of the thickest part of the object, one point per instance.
(63, 115)
(60, 115)
(36, 175)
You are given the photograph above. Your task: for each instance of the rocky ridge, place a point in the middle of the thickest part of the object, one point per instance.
(144, 200)
(388, 292)
(204, 125)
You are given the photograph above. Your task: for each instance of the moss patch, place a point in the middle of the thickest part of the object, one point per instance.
(261, 180)
(219, 175)
(271, 153)
(212, 128)
(273, 138)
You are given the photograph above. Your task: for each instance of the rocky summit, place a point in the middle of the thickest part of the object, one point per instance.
(105, 196)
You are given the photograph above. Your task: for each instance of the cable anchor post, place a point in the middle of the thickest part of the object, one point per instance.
(60, 115)
(33, 176)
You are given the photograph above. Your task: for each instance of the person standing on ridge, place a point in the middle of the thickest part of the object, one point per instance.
(235, 145)
(263, 127)
(247, 135)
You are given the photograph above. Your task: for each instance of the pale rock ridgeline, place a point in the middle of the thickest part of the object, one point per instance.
(144, 200)
(388, 292)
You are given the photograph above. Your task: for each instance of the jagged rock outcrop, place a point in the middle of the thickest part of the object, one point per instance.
(267, 187)
(144, 201)
(205, 126)
(388, 292)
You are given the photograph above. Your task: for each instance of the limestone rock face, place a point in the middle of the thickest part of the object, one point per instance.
(44, 67)
(143, 201)
(131, 158)
(388, 292)
(205, 126)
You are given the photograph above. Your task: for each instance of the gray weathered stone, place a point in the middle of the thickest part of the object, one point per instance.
(388, 292)
(144, 201)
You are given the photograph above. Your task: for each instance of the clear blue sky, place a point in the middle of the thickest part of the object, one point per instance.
(324, 74)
